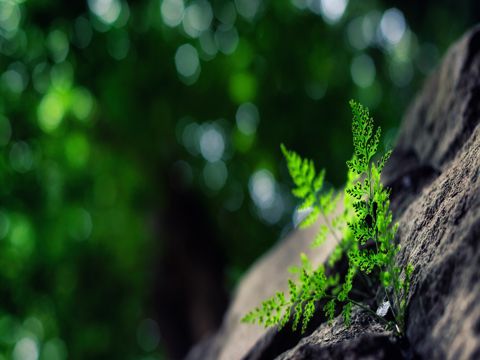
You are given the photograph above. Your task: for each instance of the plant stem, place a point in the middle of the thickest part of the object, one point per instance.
(324, 216)
(328, 224)
(389, 268)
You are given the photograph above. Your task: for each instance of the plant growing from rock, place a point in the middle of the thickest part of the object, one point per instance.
(365, 235)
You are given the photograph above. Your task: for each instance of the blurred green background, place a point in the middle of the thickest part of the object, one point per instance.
(140, 171)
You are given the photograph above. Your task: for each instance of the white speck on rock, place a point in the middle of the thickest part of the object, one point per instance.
(383, 309)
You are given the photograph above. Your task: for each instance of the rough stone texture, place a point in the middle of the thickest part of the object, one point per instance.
(440, 228)
(364, 339)
(435, 178)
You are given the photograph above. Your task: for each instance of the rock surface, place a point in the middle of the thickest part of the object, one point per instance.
(440, 229)
(364, 339)
(434, 174)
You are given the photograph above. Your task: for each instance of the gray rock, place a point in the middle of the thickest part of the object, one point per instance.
(440, 229)
(435, 178)
(364, 339)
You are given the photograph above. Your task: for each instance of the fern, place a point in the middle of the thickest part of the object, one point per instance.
(303, 294)
(309, 188)
(373, 219)
(366, 219)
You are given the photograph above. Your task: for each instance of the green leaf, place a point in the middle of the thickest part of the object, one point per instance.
(308, 312)
(318, 183)
(347, 313)
(321, 236)
(329, 309)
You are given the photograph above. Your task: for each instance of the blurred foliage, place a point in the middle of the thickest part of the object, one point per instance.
(101, 100)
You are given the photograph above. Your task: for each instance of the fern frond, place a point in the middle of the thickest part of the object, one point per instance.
(366, 220)
(302, 172)
(381, 163)
(347, 313)
(329, 309)
(348, 283)
(321, 236)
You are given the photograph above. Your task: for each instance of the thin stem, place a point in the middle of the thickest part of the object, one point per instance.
(369, 174)
(366, 308)
(328, 224)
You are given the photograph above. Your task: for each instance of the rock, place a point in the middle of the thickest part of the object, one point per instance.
(364, 339)
(440, 229)
(434, 174)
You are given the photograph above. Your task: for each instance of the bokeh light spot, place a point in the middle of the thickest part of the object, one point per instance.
(41, 78)
(332, 10)
(15, 78)
(363, 70)
(215, 175)
(58, 45)
(34, 326)
(208, 44)
(247, 118)
(299, 4)
(186, 60)
(22, 235)
(21, 157)
(79, 223)
(354, 33)
(172, 12)
(61, 76)
(191, 137)
(197, 18)
(392, 26)
(266, 196)
(10, 16)
(226, 14)
(107, 11)
(243, 87)
(50, 112)
(248, 8)
(82, 103)
(361, 31)
(25, 349)
(403, 50)
(212, 143)
(262, 188)
(227, 40)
